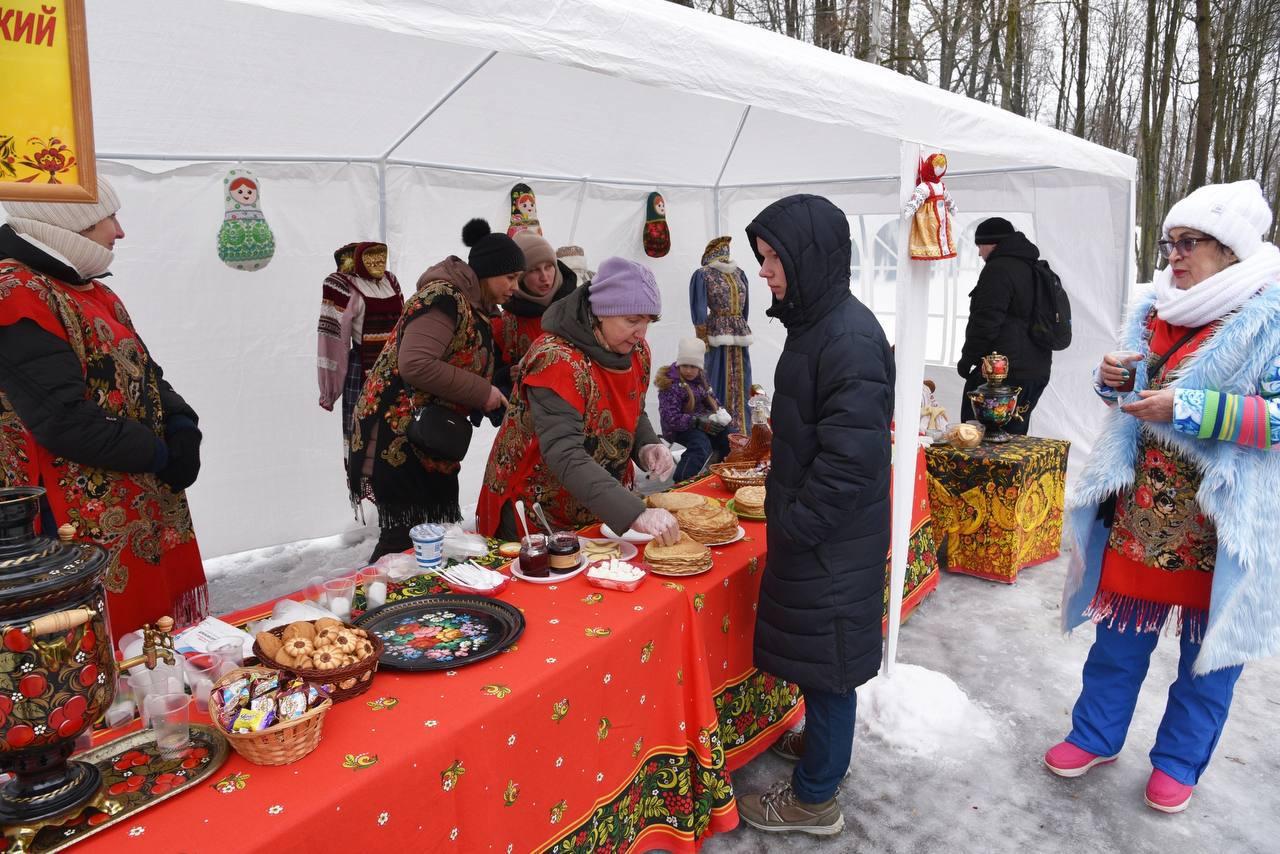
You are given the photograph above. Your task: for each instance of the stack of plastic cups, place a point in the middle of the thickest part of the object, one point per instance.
(428, 546)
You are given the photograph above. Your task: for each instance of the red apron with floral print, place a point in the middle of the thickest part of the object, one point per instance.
(155, 567)
(1162, 546)
(610, 403)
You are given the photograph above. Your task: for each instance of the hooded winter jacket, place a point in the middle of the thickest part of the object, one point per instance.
(822, 594)
(1000, 312)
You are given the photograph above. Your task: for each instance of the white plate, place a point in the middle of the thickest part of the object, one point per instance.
(741, 533)
(553, 578)
(630, 536)
(625, 549)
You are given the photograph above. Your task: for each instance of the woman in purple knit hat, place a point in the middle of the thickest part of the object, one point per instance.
(576, 420)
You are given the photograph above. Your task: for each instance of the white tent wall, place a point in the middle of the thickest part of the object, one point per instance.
(589, 101)
(241, 347)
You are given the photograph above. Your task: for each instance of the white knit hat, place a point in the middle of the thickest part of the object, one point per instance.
(691, 352)
(73, 216)
(1236, 215)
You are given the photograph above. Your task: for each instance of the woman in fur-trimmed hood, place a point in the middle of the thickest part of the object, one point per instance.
(1172, 518)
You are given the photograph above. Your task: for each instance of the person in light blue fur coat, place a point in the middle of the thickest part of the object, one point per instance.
(1172, 522)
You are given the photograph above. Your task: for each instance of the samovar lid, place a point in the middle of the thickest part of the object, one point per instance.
(35, 568)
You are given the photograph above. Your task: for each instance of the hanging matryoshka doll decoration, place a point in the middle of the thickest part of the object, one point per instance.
(657, 237)
(524, 211)
(245, 241)
(931, 208)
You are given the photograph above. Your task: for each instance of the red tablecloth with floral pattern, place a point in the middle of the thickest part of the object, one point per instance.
(612, 724)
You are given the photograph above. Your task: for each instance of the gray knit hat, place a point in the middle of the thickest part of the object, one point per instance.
(73, 216)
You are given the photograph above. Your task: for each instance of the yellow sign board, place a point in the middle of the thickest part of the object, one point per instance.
(46, 122)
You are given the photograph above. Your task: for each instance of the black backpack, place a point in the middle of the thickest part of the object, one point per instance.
(1050, 308)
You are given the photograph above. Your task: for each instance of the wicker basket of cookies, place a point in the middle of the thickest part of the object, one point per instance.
(328, 652)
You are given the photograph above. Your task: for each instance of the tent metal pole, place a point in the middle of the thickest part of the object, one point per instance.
(537, 176)
(910, 319)
(577, 210)
(238, 158)
(382, 200)
(872, 178)
(728, 155)
(440, 102)
(1130, 246)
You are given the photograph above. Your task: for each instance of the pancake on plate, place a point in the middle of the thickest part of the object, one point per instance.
(674, 501)
(708, 524)
(750, 500)
(686, 557)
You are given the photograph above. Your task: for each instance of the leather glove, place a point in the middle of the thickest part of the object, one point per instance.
(715, 428)
(964, 368)
(184, 459)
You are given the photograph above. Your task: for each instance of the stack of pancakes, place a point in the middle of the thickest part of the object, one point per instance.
(749, 500)
(686, 557)
(674, 501)
(708, 523)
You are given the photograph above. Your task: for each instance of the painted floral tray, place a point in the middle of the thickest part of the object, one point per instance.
(442, 632)
(138, 777)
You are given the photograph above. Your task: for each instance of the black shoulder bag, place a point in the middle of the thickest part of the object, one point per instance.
(440, 432)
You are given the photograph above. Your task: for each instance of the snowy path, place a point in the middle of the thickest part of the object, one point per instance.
(1001, 646)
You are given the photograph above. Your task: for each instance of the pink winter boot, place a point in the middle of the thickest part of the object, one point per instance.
(1067, 760)
(1166, 794)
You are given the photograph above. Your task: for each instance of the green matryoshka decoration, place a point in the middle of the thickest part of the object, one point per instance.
(245, 241)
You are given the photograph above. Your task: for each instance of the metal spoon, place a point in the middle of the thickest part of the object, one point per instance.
(524, 526)
(542, 518)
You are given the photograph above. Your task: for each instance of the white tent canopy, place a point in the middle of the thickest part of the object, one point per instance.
(404, 118)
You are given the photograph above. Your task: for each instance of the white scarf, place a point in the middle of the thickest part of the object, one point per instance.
(89, 259)
(1218, 295)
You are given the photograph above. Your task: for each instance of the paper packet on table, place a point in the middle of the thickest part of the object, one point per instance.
(399, 566)
(207, 634)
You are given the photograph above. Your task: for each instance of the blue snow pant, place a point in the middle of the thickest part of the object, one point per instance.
(828, 744)
(1193, 717)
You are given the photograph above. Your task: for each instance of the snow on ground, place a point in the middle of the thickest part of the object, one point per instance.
(947, 753)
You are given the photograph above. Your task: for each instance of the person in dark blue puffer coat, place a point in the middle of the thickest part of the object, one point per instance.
(821, 597)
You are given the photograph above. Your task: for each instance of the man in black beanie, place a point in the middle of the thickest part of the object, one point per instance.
(1000, 319)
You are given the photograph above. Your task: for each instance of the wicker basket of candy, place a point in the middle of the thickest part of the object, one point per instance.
(267, 718)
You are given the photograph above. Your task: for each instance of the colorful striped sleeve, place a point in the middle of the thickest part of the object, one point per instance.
(1249, 420)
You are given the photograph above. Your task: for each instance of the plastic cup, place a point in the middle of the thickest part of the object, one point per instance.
(230, 655)
(428, 545)
(376, 582)
(201, 671)
(169, 716)
(338, 594)
(164, 679)
(314, 591)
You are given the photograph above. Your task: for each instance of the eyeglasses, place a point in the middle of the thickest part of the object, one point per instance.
(1184, 245)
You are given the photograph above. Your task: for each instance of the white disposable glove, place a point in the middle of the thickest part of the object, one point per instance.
(657, 461)
(660, 523)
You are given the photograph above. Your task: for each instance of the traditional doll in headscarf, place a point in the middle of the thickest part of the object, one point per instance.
(718, 303)
(360, 304)
(931, 208)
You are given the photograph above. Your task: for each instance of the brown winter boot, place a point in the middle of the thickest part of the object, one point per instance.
(778, 810)
(790, 746)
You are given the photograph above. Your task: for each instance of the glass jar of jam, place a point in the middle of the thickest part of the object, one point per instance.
(533, 556)
(564, 551)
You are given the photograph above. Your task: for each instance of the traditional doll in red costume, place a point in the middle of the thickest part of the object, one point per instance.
(86, 413)
(931, 208)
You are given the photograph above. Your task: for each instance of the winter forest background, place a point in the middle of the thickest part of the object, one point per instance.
(1188, 87)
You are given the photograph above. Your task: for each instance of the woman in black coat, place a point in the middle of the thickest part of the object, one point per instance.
(821, 597)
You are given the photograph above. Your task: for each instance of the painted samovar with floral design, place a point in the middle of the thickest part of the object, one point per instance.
(995, 402)
(57, 666)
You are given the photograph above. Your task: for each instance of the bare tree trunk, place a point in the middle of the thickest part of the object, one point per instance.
(1082, 67)
(1207, 96)
(1011, 23)
(903, 47)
